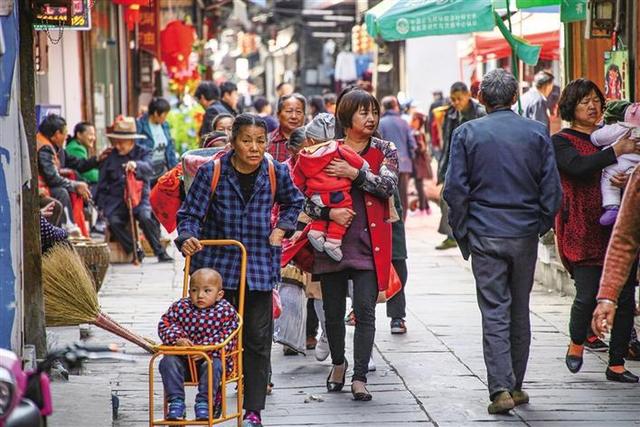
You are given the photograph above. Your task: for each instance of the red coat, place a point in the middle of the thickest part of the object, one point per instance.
(309, 175)
(379, 229)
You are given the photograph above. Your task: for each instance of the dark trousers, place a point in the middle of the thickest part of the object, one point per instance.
(62, 195)
(173, 370)
(587, 282)
(312, 319)
(396, 306)
(444, 227)
(503, 270)
(423, 203)
(334, 299)
(120, 227)
(403, 189)
(257, 335)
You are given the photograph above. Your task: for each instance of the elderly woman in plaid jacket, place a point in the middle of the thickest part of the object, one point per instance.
(240, 209)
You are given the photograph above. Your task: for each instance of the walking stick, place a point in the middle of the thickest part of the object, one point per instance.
(132, 219)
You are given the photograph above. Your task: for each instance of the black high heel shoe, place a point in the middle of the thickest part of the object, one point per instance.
(334, 386)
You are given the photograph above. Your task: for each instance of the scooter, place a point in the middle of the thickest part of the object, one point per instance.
(25, 396)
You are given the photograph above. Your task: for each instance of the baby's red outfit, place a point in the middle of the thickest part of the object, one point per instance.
(327, 191)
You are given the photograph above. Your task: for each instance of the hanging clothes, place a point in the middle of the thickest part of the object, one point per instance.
(346, 67)
(362, 64)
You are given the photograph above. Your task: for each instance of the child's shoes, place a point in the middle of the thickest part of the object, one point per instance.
(333, 248)
(316, 238)
(609, 216)
(177, 410)
(202, 411)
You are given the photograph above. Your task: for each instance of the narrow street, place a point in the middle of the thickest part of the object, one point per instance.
(434, 375)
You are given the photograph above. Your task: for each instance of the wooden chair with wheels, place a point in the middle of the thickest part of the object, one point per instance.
(235, 376)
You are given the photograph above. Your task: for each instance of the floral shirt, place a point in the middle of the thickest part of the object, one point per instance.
(203, 326)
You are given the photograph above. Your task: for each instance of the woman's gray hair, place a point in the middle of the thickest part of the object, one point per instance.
(294, 95)
(498, 88)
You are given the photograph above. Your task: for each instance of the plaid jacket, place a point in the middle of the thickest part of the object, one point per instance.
(229, 217)
(277, 146)
(206, 326)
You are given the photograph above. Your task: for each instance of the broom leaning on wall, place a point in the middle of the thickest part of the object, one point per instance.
(70, 298)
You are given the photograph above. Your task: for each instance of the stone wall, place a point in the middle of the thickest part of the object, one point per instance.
(549, 270)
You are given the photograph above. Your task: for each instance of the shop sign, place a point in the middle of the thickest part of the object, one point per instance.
(402, 19)
(148, 28)
(76, 15)
(146, 72)
(616, 75)
(442, 24)
(573, 10)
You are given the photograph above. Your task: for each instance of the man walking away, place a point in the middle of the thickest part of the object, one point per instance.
(534, 103)
(503, 191)
(395, 129)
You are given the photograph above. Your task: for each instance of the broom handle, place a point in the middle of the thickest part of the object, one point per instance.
(105, 322)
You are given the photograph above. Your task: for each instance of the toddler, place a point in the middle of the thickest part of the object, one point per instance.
(204, 318)
(324, 190)
(621, 117)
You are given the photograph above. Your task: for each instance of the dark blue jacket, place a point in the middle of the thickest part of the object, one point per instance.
(142, 127)
(110, 189)
(502, 179)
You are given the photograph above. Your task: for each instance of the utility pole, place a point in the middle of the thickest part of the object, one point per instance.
(34, 322)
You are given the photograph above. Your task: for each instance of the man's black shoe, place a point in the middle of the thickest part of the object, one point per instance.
(164, 257)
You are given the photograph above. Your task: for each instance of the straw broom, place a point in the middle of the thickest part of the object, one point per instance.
(70, 298)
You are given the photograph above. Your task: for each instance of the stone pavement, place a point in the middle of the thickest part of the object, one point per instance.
(434, 375)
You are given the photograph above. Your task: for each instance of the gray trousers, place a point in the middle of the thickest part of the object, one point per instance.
(503, 270)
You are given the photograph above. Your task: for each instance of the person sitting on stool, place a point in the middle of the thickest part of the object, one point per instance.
(127, 156)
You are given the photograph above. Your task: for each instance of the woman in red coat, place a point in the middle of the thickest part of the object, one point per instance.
(582, 241)
(367, 244)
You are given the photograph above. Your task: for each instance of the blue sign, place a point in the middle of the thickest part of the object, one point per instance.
(9, 28)
(43, 110)
(7, 276)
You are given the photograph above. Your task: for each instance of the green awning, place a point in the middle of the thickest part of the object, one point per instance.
(570, 10)
(573, 10)
(523, 4)
(395, 20)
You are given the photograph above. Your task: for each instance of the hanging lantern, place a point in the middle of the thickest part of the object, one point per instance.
(176, 44)
(132, 11)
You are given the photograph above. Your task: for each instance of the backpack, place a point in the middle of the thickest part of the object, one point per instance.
(215, 177)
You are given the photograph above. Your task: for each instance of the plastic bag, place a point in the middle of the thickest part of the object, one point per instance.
(290, 328)
(277, 305)
(395, 286)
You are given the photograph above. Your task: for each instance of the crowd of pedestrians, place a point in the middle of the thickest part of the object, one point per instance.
(318, 190)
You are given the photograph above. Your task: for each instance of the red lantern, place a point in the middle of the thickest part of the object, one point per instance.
(132, 11)
(176, 43)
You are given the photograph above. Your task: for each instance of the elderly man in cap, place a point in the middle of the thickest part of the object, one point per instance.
(127, 156)
(503, 191)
